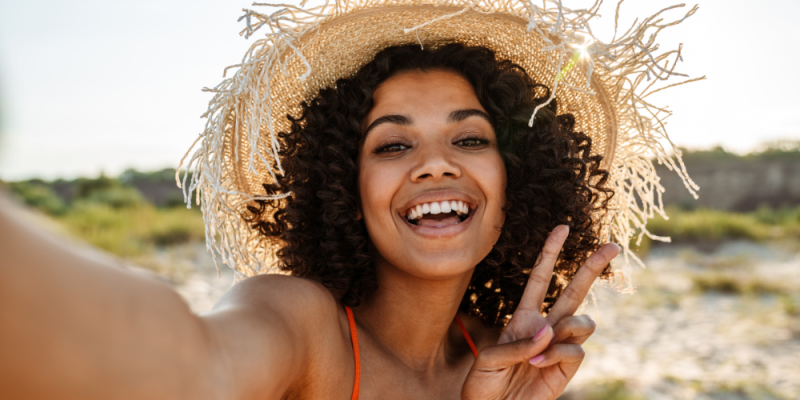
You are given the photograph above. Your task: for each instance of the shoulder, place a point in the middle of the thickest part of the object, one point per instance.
(276, 330)
(300, 303)
(279, 291)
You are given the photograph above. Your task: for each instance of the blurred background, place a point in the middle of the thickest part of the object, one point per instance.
(99, 101)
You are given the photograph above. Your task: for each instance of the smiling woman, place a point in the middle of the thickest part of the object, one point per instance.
(404, 138)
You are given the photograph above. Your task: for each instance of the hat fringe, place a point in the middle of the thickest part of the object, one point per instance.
(631, 63)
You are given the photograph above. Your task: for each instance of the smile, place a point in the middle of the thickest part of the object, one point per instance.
(438, 214)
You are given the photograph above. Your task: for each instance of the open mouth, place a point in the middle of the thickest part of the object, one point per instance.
(438, 214)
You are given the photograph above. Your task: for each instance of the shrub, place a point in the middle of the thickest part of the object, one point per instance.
(132, 231)
(38, 195)
(115, 197)
(713, 225)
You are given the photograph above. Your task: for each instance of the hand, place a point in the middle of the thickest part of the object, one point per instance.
(536, 356)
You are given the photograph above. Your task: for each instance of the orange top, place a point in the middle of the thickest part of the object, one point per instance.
(357, 355)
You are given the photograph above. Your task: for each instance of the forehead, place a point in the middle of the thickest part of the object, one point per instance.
(423, 91)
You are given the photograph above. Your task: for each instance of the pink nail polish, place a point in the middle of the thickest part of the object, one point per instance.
(540, 334)
(537, 359)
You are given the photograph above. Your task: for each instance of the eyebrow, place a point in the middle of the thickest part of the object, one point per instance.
(460, 115)
(389, 119)
(455, 116)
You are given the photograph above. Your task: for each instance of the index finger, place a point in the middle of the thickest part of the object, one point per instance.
(576, 291)
(542, 271)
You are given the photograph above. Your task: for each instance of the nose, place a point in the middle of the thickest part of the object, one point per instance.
(435, 163)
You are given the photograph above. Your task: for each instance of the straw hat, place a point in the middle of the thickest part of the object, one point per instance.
(604, 85)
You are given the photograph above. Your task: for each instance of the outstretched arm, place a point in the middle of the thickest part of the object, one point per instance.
(73, 327)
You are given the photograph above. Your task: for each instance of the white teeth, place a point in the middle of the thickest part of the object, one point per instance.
(447, 206)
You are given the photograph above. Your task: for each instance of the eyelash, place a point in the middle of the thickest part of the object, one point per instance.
(385, 148)
(475, 138)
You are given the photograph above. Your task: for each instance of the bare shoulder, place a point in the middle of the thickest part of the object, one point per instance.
(301, 304)
(276, 330)
(278, 293)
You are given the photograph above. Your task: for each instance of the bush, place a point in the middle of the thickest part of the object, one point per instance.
(132, 231)
(705, 224)
(176, 225)
(38, 195)
(731, 283)
(115, 197)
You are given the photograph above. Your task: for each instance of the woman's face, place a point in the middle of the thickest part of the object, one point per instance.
(431, 180)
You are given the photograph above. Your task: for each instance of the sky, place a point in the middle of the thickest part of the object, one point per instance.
(89, 86)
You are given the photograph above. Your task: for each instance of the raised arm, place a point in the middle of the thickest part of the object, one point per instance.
(72, 327)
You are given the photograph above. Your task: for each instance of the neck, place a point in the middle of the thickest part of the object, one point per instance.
(410, 317)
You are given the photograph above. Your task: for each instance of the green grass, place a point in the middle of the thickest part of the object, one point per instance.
(714, 225)
(132, 231)
(39, 195)
(733, 283)
(113, 215)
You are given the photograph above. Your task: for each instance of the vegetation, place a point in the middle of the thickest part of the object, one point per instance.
(39, 195)
(714, 225)
(112, 214)
(776, 150)
(135, 230)
(736, 283)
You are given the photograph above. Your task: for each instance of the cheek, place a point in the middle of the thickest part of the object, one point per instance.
(376, 186)
(492, 173)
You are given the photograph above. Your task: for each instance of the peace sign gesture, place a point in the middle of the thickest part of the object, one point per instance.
(537, 356)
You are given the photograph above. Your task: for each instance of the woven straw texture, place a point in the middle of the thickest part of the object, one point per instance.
(603, 85)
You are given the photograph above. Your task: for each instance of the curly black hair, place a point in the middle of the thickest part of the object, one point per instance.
(553, 179)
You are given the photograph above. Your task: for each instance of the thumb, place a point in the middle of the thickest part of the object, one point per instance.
(512, 353)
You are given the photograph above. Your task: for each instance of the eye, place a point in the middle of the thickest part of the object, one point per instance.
(391, 148)
(472, 142)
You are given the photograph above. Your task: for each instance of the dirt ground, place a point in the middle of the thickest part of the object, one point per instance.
(721, 322)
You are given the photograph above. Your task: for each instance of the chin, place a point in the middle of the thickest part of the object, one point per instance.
(435, 265)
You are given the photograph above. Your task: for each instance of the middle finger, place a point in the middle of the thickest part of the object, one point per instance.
(576, 291)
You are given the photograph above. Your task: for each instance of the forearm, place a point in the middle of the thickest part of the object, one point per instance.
(72, 327)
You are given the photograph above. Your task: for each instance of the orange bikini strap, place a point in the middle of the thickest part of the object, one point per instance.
(354, 339)
(466, 336)
(356, 355)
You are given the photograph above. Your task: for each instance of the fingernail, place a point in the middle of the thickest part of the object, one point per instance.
(536, 360)
(540, 334)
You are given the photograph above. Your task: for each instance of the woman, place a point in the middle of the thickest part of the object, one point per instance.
(427, 227)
